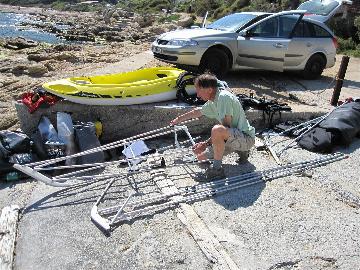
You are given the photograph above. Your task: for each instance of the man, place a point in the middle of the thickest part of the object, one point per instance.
(232, 134)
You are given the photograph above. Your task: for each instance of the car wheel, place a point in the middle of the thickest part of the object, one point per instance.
(314, 67)
(216, 61)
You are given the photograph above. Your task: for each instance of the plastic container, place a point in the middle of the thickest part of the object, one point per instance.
(12, 176)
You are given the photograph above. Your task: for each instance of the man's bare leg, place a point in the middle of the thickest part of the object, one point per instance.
(219, 134)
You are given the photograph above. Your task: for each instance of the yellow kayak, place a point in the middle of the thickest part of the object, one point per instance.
(135, 87)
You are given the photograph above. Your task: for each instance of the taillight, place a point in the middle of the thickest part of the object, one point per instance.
(308, 14)
(336, 44)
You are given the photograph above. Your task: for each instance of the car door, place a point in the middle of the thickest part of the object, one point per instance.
(307, 39)
(265, 44)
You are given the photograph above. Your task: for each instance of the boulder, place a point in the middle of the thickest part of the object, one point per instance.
(67, 56)
(145, 21)
(158, 29)
(38, 57)
(20, 43)
(50, 65)
(67, 47)
(186, 22)
(172, 27)
(19, 69)
(37, 70)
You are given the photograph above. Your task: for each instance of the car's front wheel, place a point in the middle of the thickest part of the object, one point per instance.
(314, 67)
(216, 61)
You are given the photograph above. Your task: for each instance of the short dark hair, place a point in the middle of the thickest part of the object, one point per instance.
(206, 80)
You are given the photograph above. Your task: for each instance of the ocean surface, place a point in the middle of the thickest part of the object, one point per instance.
(10, 26)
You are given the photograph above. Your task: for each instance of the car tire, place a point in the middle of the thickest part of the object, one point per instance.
(216, 61)
(314, 67)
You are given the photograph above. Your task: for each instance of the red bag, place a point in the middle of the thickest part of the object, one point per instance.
(34, 100)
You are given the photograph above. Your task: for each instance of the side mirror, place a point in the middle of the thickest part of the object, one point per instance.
(245, 33)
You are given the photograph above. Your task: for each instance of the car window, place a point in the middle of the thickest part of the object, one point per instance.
(279, 26)
(303, 30)
(307, 29)
(319, 7)
(232, 22)
(320, 32)
(256, 19)
(267, 28)
(287, 24)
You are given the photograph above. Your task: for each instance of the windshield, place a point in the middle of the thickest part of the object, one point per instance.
(232, 22)
(319, 7)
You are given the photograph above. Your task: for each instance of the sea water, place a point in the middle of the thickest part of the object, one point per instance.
(10, 26)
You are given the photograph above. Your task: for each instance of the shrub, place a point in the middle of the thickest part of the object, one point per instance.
(348, 47)
(263, 5)
(239, 4)
(201, 6)
(357, 26)
(59, 5)
(170, 18)
(346, 44)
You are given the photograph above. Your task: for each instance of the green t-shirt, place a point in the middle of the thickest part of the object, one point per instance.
(225, 103)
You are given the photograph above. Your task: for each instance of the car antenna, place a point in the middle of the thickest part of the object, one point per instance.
(204, 19)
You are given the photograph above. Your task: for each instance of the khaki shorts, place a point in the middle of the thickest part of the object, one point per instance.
(237, 142)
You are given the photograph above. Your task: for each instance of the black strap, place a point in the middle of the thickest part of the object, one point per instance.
(184, 79)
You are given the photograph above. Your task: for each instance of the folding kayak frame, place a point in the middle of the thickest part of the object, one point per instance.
(76, 175)
(135, 205)
(107, 218)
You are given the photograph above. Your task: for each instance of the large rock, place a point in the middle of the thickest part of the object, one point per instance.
(38, 57)
(20, 43)
(50, 65)
(37, 70)
(186, 21)
(157, 29)
(19, 69)
(67, 56)
(145, 21)
(171, 27)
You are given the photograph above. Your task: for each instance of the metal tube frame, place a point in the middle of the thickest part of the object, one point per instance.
(190, 194)
(72, 178)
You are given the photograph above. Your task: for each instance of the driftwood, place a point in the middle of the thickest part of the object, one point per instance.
(8, 221)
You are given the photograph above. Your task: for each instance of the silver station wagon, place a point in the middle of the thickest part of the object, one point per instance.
(285, 41)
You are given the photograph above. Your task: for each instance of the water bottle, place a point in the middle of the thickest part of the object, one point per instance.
(12, 176)
(98, 128)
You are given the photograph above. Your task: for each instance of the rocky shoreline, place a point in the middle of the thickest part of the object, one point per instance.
(100, 38)
(111, 37)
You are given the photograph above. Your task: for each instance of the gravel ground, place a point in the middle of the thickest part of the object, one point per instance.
(297, 222)
(293, 222)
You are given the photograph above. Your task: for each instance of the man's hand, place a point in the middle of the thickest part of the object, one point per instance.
(200, 147)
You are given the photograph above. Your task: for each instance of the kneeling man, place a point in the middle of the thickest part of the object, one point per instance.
(232, 134)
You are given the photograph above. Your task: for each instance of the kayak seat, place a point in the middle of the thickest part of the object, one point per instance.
(161, 75)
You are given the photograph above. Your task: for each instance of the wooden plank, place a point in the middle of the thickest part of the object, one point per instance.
(206, 240)
(8, 223)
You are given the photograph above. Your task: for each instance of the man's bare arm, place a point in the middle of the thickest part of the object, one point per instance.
(227, 121)
(195, 113)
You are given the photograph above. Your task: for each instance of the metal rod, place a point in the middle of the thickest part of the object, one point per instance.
(303, 133)
(38, 168)
(212, 192)
(121, 209)
(116, 144)
(297, 126)
(236, 180)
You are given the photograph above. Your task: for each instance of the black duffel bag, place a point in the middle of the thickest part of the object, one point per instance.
(14, 142)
